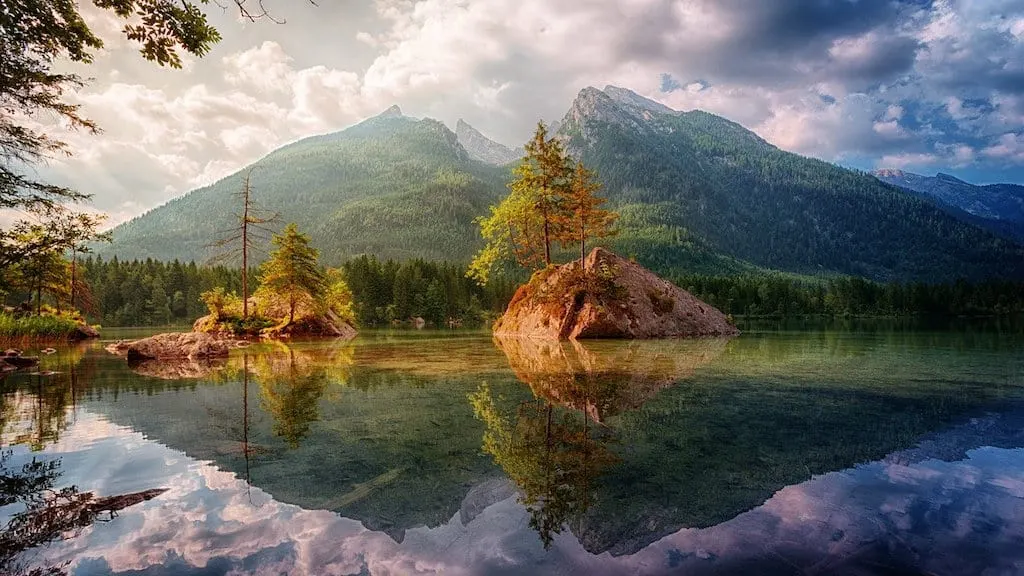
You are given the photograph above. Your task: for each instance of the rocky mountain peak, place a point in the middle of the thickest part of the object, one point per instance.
(629, 98)
(482, 148)
(392, 112)
(889, 173)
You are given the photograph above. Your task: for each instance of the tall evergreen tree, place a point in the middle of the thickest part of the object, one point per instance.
(292, 272)
(532, 216)
(587, 219)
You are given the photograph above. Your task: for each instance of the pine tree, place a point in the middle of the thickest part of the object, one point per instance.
(525, 224)
(292, 272)
(586, 217)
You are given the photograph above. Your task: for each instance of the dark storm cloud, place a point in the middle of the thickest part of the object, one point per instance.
(777, 42)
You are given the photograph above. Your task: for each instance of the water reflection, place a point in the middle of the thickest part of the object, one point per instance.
(49, 513)
(555, 455)
(605, 378)
(821, 452)
(552, 455)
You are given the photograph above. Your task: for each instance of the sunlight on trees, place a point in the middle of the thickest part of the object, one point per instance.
(550, 200)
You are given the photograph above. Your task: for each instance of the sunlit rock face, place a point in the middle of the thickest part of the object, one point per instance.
(613, 298)
(173, 345)
(604, 380)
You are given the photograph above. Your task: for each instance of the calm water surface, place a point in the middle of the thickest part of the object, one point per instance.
(850, 451)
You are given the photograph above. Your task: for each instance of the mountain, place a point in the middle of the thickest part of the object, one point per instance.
(482, 148)
(392, 185)
(746, 198)
(995, 207)
(696, 193)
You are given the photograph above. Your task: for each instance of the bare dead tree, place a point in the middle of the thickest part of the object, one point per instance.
(253, 226)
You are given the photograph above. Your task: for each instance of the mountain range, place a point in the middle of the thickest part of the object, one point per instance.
(995, 207)
(696, 193)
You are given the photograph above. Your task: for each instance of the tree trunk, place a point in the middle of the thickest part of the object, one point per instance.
(245, 251)
(583, 245)
(74, 261)
(547, 243)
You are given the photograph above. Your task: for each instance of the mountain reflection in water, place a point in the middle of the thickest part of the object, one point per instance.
(772, 453)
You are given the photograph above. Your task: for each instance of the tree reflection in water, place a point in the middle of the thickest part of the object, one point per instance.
(555, 447)
(552, 454)
(49, 513)
(290, 392)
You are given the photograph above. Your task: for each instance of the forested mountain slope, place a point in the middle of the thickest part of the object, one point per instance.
(696, 193)
(776, 209)
(392, 186)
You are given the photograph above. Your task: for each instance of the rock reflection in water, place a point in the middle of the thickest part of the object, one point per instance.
(179, 368)
(604, 378)
(556, 455)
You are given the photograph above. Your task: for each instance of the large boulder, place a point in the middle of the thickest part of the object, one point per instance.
(173, 345)
(614, 298)
(84, 332)
(329, 325)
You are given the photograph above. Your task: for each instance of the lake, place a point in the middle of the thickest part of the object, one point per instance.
(849, 449)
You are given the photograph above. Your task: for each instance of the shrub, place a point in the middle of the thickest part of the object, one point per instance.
(47, 326)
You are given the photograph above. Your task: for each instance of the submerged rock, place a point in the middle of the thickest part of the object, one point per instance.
(16, 361)
(172, 345)
(614, 298)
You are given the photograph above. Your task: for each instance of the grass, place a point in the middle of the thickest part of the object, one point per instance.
(45, 327)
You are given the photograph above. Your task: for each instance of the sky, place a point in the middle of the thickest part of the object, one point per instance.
(923, 86)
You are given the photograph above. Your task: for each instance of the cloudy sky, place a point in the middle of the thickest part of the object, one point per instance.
(921, 85)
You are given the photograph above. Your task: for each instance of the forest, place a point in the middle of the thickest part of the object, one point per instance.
(152, 293)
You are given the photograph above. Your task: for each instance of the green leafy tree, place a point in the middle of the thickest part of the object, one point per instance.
(292, 273)
(36, 35)
(532, 216)
(550, 200)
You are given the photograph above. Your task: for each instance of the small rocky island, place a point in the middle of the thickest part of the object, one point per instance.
(611, 297)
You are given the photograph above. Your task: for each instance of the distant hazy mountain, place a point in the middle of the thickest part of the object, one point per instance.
(998, 207)
(712, 177)
(482, 148)
(696, 193)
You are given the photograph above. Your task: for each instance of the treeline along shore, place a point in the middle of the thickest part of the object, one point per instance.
(154, 293)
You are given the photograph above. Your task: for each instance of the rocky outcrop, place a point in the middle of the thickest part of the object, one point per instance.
(173, 345)
(482, 148)
(329, 325)
(84, 332)
(615, 298)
